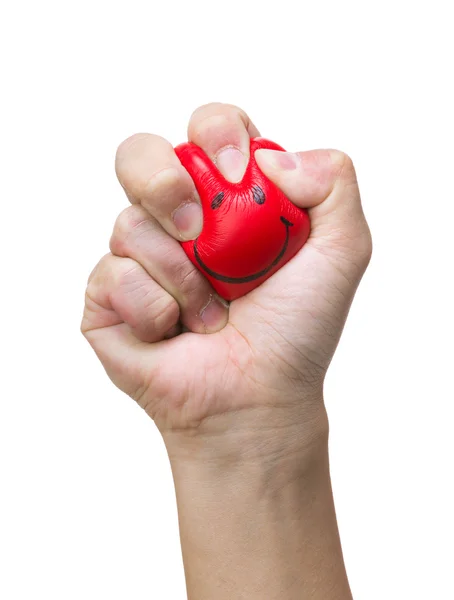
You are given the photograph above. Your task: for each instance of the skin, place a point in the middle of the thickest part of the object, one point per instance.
(238, 396)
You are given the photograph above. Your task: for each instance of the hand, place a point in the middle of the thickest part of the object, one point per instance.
(237, 393)
(272, 349)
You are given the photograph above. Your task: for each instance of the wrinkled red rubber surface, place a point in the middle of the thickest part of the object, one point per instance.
(250, 228)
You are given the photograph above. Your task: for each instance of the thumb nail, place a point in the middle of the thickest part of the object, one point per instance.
(276, 159)
(214, 314)
(232, 164)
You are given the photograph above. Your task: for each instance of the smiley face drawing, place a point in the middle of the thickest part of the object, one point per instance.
(250, 228)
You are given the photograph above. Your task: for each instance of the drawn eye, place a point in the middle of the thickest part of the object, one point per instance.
(258, 194)
(217, 200)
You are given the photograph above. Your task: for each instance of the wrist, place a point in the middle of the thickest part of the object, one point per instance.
(256, 509)
(270, 442)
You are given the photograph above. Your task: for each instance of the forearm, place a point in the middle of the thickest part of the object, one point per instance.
(260, 529)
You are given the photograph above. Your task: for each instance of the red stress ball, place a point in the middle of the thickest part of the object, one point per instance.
(250, 228)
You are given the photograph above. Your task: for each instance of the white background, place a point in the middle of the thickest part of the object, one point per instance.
(86, 498)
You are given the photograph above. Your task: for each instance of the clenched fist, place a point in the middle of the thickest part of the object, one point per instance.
(196, 365)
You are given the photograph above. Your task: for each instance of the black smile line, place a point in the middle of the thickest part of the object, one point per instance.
(248, 278)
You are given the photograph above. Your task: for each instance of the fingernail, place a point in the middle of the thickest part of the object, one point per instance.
(214, 313)
(288, 161)
(188, 219)
(232, 164)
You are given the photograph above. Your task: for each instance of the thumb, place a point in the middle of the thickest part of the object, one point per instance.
(323, 181)
(310, 296)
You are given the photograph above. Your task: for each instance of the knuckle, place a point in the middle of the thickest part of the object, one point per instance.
(126, 223)
(128, 275)
(100, 269)
(189, 281)
(133, 159)
(206, 109)
(347, 172)
(208, 123)
(117, 244)
(123, 223)
(95, 291)
(360, 239)
(113, 271)
(163, 309)
(217, 125)
(162, 182)
(162, 187)
(238, 113)
(347, 161)
(93, 273)
(216, 116)
(165, 190)
(166, 313)
(132, 282)
(128, 144)
(218, 108)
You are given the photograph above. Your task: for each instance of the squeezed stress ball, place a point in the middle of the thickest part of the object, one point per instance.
(250, 228)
